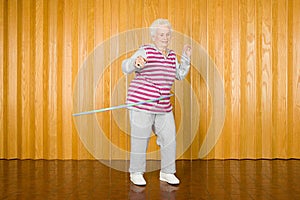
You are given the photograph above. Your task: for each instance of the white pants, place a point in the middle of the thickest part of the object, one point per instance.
(163, 125)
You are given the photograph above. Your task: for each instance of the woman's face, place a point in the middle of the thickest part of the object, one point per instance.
(162, 37)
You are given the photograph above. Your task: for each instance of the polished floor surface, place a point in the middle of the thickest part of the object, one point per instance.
(214, 179)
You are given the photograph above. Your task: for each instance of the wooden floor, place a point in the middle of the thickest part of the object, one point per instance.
(215, 179)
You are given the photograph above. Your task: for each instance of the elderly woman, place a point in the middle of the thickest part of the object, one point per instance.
(156, 68)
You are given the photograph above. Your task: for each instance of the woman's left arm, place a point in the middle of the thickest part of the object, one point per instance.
(183, 67)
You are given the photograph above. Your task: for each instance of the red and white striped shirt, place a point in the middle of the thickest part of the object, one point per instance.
(154, 80)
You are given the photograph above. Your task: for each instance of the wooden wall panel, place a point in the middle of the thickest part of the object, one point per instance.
(3, 46)
(44, 45)
(295, 6)
(279, 70)
(12, 78)
(67, 80)
(228, 46)
(25, 74)
(235, 82)
(39, 81)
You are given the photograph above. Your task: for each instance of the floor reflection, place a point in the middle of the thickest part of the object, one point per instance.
(214, 179)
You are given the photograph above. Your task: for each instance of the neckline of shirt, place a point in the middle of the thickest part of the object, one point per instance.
(165, 55)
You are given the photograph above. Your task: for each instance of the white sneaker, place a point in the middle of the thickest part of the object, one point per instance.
(169, 178)
(137, 178)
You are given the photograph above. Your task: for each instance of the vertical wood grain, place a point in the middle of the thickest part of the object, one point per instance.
(59, 55)
(100, 98)
(264, 74)
(297, 64)
(38, 71)
(89, 80)
(121, 91)
(3, 47)
(195, 77)
(296, 79)
(19, 105)
(46, 63)
(115, 74)
(279, 63)
(204, 96)
(219, 62)
(25, 82)
(290, 74)
(75, 66)
(107, 76)
(12, 46)
(44, 44)
(183, 95)
(235, 79)
(228, 70)
(52, 106)
(259, 108)
(178, 86)
(67, 81)
(248, 79)
(212, 51)
(267, 82)
(85, 83)
(187, 92)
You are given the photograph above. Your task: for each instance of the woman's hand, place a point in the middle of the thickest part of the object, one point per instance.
(140, 62)
(187, 50)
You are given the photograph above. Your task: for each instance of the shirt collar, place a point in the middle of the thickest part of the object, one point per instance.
(167, 50)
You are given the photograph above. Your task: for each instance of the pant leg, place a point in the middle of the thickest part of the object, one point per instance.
(141, 128)
(165, 130)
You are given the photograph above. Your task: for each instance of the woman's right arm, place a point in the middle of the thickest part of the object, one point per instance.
(128, 65)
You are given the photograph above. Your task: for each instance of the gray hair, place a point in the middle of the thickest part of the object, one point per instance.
(157, 23)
